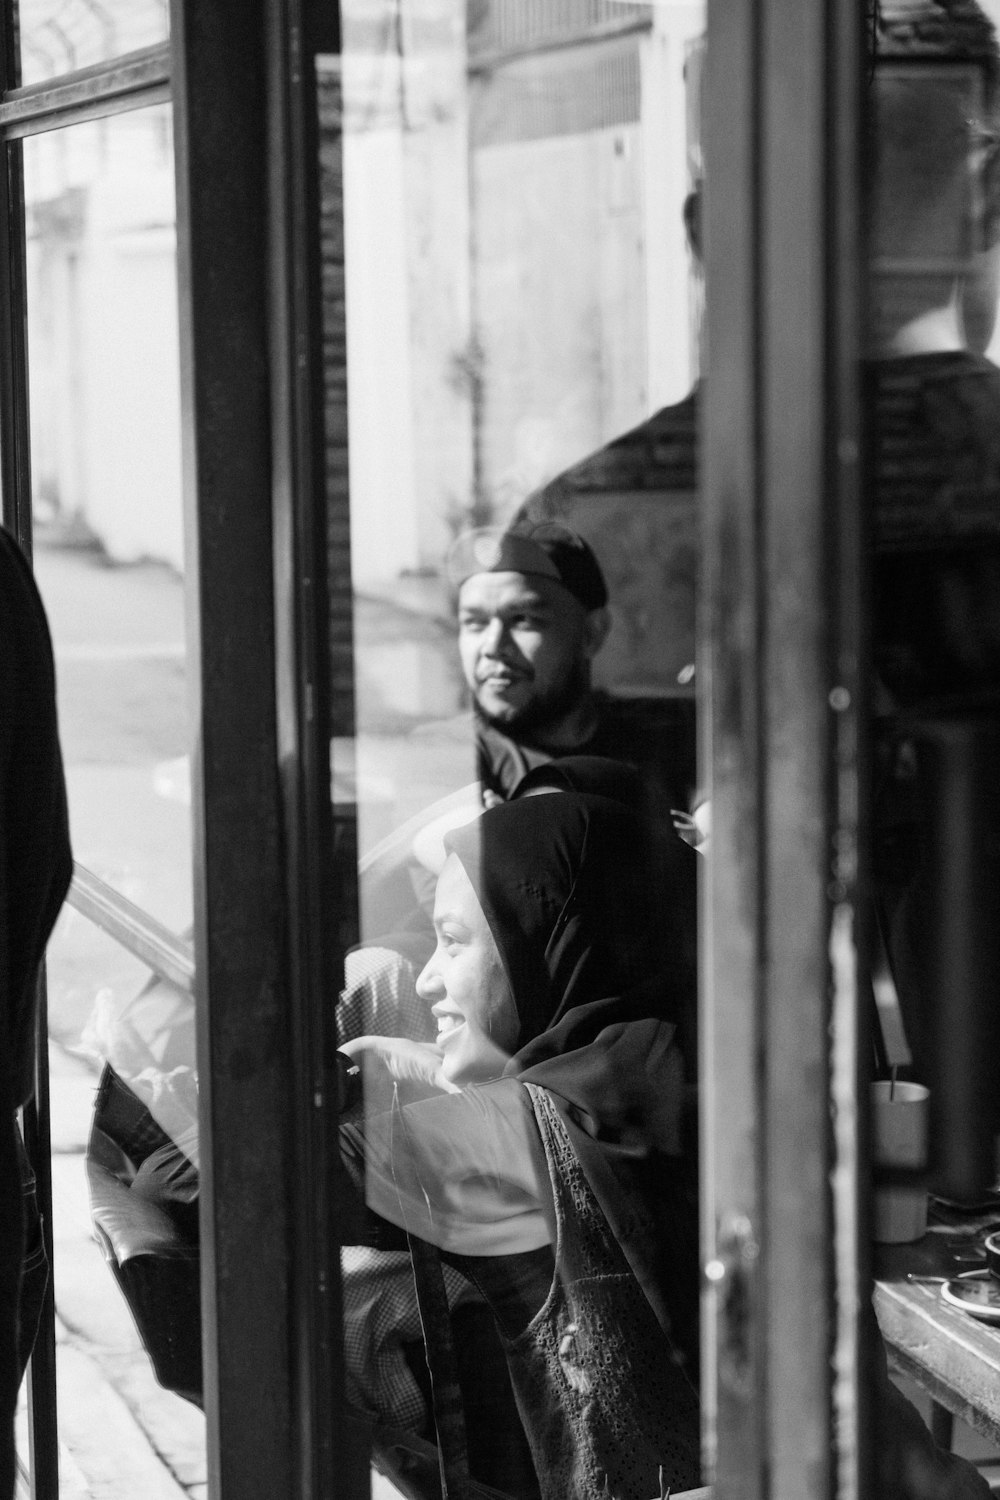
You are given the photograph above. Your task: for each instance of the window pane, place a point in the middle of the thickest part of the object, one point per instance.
(933, 392)
(933, 404)
(109, 557)
(60, 36)
(519, 293)
(522, 316)
(105, 452)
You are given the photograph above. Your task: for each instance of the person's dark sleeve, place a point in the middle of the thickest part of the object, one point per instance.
(11, 1248)
(35, 858)
(35, 870)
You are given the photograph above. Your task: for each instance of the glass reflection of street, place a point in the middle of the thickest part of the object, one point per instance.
(119, 644)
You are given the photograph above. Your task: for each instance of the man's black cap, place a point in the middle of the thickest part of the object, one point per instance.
(546, 549)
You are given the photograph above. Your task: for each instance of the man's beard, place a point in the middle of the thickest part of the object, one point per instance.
(540, 713)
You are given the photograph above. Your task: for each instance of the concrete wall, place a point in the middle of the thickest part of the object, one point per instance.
(583, 291)
(408, 281)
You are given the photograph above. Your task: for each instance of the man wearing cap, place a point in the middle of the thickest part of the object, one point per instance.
(532, 616)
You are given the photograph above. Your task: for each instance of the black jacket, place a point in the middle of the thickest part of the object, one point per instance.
(35, 870)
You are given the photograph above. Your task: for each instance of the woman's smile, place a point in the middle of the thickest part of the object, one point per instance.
(448, 1021)
(466, 985)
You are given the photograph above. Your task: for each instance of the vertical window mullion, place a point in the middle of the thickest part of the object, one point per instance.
(15, 452)
(308, 342)
(245, 976)
(782, 619)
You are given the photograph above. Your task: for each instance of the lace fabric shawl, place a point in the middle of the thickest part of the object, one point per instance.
(605, 1404)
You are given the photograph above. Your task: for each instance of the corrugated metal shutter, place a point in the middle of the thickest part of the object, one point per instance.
(564, 93)
(502, 25)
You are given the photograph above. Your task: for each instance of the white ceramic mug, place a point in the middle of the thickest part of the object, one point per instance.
(899, 1139)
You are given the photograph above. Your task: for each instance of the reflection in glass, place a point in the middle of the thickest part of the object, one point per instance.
(61, 36)
(519, 292)
(933, 392)
(112, 1349)
(546, 1020)
(102, 330)
(105, 454)
(521, 346)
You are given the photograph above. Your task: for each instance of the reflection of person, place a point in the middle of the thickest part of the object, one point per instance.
(35, 870)
(933, 404)
(532, 617)
(539, 1142)
(936, 456)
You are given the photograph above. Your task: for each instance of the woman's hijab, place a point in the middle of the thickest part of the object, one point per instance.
(568, 886)
(593, 775)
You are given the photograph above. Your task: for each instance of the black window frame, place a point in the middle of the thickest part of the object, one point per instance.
(240, 79)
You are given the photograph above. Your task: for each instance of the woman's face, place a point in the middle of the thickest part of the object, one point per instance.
(466, 985)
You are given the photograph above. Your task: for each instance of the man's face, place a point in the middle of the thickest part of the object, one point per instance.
(525, 644)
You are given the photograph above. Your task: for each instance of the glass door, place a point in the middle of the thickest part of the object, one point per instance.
(516, 611)
(152, 252)
(533, 197)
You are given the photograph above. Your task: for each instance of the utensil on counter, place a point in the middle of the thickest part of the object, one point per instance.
(917, 1280)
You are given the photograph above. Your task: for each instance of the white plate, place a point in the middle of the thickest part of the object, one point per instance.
(980, 1298)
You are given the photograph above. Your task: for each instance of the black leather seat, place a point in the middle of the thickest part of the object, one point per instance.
(151, 1247)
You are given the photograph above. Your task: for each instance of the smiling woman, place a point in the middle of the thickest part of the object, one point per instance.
(561, 1158)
